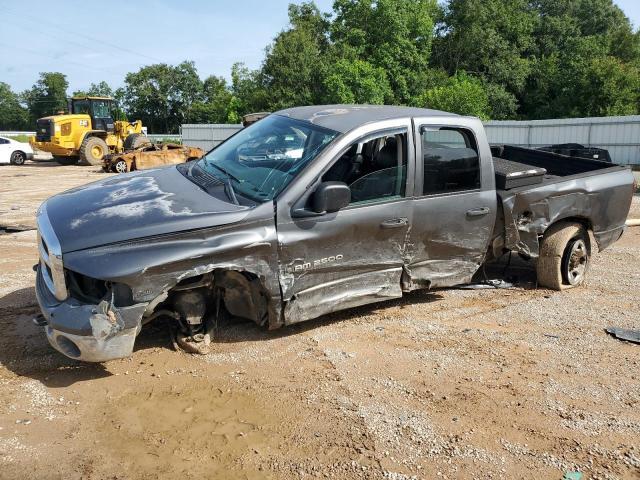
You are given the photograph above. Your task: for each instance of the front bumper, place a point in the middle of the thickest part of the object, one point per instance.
(82, 332)
(54, 148)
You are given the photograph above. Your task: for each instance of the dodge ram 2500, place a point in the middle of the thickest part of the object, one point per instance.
(309, 211)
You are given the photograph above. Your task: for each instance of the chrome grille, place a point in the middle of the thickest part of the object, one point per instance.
(51, 266)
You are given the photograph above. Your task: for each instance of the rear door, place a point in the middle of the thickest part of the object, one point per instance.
(455, 206)
(354, 256)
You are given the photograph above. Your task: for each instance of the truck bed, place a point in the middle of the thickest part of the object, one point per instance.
(537, 189)
(516, 166)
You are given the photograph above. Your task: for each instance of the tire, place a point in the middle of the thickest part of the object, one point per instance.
(134, 141)
(565, 256)
(18, 158)
(66, 160)
(93, 150)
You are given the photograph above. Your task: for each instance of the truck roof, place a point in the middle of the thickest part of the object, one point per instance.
(344, 118)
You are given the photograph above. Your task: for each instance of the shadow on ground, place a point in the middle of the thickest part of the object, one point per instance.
(25, 351)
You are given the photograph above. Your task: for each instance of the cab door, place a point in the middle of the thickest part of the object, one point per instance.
(354, 256)
(454, 211)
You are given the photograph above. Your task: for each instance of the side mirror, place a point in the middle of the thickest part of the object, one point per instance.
(330, 197)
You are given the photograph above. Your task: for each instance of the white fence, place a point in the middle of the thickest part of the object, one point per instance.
(619, 135)
(207, 136)
(15, 134)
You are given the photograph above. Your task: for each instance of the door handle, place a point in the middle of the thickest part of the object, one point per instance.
(395, 223)
(478, 212)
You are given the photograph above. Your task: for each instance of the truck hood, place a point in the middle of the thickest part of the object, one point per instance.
(135, 205)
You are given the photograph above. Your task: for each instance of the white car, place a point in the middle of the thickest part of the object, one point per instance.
(14, 152)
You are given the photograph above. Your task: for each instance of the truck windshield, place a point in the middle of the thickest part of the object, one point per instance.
(81, 106)
(261, 160)
(101, 109)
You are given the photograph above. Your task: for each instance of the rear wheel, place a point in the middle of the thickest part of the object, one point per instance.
(93, 150)
(18, 158)
(66, 160)
(135, 140)
(564, 256)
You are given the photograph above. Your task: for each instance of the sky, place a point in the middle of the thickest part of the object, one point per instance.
(93, 41)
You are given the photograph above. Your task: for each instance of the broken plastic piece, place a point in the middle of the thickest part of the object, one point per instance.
(572, 476)
(487, 284)
(624, 334)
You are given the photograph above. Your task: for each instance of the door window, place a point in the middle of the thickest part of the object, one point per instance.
(451, 160)
(375, 170)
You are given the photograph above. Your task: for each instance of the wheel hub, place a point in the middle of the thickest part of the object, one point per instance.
(576, 263)
(121, 167)
(96, 151)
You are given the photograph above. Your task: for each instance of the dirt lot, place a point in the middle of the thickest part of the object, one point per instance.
(517, 383)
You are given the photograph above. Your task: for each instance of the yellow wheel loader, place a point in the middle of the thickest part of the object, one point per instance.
(87, 133)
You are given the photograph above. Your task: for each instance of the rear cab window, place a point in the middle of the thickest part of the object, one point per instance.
(451, 160)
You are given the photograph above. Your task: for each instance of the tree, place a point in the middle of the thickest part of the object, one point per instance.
(101, 89)
(47, 96)
(394, 35)
(463, 94)
(575, 41)
(490, 39)
(248, 93)
(13, 115)
(356, 82)
(293, 67)
(609, 87)
(162, 95)
(214, 105)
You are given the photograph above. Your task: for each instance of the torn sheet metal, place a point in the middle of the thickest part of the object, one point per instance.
(602, 200)
(342, 294)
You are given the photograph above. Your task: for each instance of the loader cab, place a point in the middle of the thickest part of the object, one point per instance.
(98, 108)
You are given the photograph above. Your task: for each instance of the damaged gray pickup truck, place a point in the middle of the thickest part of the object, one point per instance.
(309, 211)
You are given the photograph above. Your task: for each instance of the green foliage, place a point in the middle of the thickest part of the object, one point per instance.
(47, 96)
(576, 42)
(356, 82)
(293, 66)
(394, 35)
(20, 138)
(248, 93)
(462, 94)
(13, 116)
(490, 38)
(162, 95)
(213, 105)
(101, 89)
(610, 87)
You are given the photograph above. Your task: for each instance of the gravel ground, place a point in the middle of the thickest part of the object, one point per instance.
(487, 384)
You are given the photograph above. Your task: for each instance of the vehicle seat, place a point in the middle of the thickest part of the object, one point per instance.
(387, 157)
(344, 169)
(382, 180)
